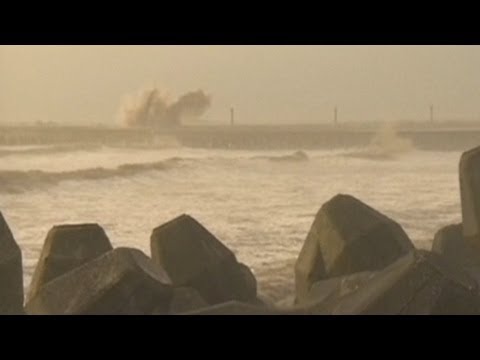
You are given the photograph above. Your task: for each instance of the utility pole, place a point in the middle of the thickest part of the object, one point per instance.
(431, 113)
(335, 113)
(232, 116)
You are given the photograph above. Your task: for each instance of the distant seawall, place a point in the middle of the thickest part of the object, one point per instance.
(53, 135)
(240, 137)
(321, 137)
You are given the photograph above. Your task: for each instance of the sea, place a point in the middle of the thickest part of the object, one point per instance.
(260, 203)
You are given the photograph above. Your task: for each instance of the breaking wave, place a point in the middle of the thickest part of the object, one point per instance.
(16, 181)
(385, 145)
(42, 150)
(294, 157)
(157, 143)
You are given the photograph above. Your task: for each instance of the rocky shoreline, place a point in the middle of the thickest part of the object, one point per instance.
(354, 260)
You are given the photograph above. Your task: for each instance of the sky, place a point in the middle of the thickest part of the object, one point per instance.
(265, 84)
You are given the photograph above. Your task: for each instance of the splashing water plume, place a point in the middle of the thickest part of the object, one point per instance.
(386, 144)
(153, 108)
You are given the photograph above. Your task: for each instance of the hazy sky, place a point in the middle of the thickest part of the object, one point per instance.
(265, 84)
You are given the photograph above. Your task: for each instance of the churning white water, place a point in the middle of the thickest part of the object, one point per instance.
(261, 209)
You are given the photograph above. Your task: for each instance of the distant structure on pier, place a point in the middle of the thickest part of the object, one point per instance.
(232, 120)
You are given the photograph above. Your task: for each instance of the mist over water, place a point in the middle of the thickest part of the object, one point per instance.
(261, 203)
(386, 144)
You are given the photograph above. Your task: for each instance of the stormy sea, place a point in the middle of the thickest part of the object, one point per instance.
(260, 203)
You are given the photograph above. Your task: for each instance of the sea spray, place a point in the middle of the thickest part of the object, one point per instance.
(154, 108)
(386, 144)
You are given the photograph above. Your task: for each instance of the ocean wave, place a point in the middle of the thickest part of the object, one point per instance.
(16, 181)
(42, 150)
(297, 156)
(53, 149)
(385, 145)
